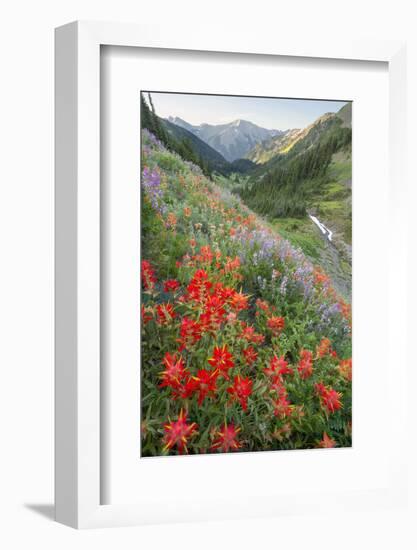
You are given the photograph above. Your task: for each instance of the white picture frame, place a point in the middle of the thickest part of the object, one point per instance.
(77, 242)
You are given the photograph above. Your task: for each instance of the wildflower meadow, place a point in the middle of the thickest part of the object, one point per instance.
(245, 344)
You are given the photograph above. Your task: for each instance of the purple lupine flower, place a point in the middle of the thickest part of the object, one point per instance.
(151, 183)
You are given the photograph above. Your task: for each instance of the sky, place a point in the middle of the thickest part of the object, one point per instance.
(271, 113)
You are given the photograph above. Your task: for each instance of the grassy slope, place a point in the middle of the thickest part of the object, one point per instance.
(301, 233)
(192, 207)
(332, 204)
(333, 207)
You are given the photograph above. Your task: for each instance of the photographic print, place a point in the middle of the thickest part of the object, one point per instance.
(246, 256)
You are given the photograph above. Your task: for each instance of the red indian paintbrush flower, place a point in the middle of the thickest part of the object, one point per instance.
(327, 442)
(147, 314)
(305, 366)
(148, 275)
(345, 369)
(224, 293)
(213, 314)
(239, 301)
(331, 401)
(277, 385)
(199, 286)
(232, 264)
(225, 440)
(205, 383)
(165, 313)
(276, 324)
(262, 305)
(222, 360)
(330, 398)
(277, 366)
(190, 333)
(174, 371)
(187, 388)
(178, 432)
(249, 334)
(241, 390)
(282, 407)
(171, 285)
(324, 348)
(206, 254)
(250, 355)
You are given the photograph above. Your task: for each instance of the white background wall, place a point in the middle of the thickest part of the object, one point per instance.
(26, 269)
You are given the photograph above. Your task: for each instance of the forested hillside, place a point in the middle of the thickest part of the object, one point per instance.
(290, 181)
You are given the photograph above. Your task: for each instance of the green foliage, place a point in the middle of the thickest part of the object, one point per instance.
(182, 146)
(302, 234)
(287, 185)
(200, 225)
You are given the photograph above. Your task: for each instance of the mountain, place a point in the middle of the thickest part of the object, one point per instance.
(264, 151)
(182, 123)
(216, 162)
(294, 173)
(232, 140)
(281, 144)
(345, 114)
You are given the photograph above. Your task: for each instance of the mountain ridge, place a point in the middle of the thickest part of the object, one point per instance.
(233, 140)
(280, 145)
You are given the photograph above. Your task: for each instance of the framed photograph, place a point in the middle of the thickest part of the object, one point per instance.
(226, 325)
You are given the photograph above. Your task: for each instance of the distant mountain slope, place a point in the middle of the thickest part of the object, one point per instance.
(296, 177)
(232, 140)
(282, 144)
(345, 114)
(215, 161)
(279, 146)
(264, 151)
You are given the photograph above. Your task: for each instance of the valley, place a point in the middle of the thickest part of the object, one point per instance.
(245, 255)
(298, 180)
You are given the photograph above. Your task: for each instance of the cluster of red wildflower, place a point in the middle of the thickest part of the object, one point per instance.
(190, 333)
(222, 360)
(210, 300)
(171, 285)
(327, 442)
(345, 369)
(148, 275)
(277, 369)
(346, 310)
(250, 355)
(165, 313)
(171, 221)
(203, 384)
(184, 385)
(265, 307)
(226, 439)
(325, 348)
(241, 390)
(147, 314)
(329, 397)
(250, 335)
(282, 407)
(177, 433)
(174, 372)
(209, 259)
(305, 365)
(276, 324)
(320, 277)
